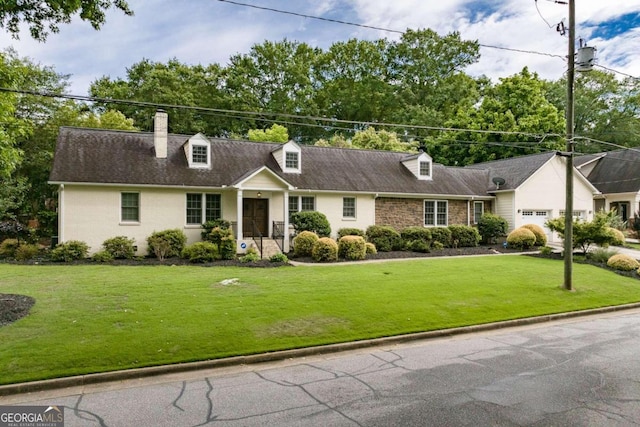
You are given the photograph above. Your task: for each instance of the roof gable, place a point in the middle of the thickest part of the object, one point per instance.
(617, 172)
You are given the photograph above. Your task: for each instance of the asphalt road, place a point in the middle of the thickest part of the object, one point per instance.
(578, 372)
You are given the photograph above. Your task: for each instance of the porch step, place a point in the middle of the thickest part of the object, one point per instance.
(269, 248)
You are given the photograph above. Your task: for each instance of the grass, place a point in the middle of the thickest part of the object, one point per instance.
(632, 245)
(99, 318)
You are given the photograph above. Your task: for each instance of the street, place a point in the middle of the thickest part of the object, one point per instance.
(577, 372)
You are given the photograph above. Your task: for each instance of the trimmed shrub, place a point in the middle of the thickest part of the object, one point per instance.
(350, 232)
(303, 243)
(437, 246)
(201, 252)
(325, 249)
(385, 238)
(463, 236)
(210, 225)
(224, 240)
(157, 242)
(278, 258)
(69, 251)
(352, 248)
(102, 256)
(618, 237)
(541, 237)
(27, 252)
(601, 255)
(370, 248)
(311, 221)
(410, 234)
(441, 235)
(623, 262)
(251, 255)
(521, 238)
(546, 250)
(8, 248)
(492, 226)
(120, 247)
(418, 246)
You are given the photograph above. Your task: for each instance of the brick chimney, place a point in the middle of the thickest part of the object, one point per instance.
(160, 133)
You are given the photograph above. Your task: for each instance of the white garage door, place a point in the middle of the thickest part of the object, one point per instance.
(538, 218)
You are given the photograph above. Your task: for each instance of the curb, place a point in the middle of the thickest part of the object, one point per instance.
(128, 374)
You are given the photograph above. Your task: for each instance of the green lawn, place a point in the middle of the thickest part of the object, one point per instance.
(633, 245)
(98, 318)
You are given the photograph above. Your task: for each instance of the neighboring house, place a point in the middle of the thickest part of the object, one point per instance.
(616, 174)
(114, 183)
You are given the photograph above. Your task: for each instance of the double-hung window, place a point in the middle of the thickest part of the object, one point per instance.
(435, 213)
(478, 211)
(130, 207)
(301, 203)
(348, 207)
(291, 160)
(203, 207)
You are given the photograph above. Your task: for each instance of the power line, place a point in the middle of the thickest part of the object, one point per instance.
(616, 71)
(388, 30)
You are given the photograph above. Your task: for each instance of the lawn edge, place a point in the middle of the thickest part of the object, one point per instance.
(137, 373)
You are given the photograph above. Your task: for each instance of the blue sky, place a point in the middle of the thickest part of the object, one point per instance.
(210, 31)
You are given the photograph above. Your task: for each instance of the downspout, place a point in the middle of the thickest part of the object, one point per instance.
(61, 213)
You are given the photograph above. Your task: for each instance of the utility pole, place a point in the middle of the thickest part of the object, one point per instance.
(568, 212)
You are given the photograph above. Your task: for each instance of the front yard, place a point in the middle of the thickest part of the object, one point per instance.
(94, 318)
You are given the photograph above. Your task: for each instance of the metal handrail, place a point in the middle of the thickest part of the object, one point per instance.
(279, 234)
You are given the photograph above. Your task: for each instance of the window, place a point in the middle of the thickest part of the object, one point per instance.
(435, 213)
(293, 205)
(478, 211)
(291, 160)
(348, 207)
(199, 155)
(130, 207)
(425, 169)
(301, 203)
(576, 214)
(203, 206)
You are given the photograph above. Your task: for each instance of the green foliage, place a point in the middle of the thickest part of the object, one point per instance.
(250, 256)
(219, 233)
(313, 221)
(103, 256)
(601, 255)
(385, 238)
(201, 252)
(325, 250)
(492, 226)
(350, 232)
(276, 133)
(370, 248)
(541, 237)
(120, 247)
(26, 252)
(623, 262)
(352, 248)
(464, 236)
(8, 248)
(48, 221)
(371, 139)
(411, 234)
(586, 233)
(69, 251)
(210, 225)
(418, 246)
(441, 235)
(166, 243)
(618, 237)
(437, 246)
(546, 250)
(278, 258)
(303, 243)
(521, 238)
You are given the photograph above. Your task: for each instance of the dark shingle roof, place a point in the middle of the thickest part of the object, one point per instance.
(617, 172)
(104, 156)
(515, 171)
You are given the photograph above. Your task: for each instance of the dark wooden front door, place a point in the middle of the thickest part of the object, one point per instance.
(255, 217)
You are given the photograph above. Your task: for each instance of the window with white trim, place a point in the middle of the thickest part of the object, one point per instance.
(200, 155)
(301, 203)
(435, 213)
(425, 169)
(576, 214)
(348, 207)
(130, 207)
(478, 211)
(292, 160)
(203, 207)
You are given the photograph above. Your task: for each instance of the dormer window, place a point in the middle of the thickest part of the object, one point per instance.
(421, 165)
(291, 160)
(289, 157)
(198, 151)
(425, 169)
(200, 154)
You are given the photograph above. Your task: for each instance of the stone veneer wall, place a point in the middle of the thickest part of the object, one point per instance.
(401, 213)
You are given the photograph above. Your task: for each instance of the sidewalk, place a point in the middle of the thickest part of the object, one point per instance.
(635, 253)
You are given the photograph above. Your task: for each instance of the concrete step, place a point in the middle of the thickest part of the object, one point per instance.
(269, 248)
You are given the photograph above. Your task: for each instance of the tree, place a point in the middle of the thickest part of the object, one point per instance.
(586, 233)
(369, 139)
(275, 133)
(44, 16)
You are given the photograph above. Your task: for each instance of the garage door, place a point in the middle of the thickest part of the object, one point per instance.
(538, 218)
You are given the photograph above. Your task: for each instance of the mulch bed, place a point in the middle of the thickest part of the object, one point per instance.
(14, 307)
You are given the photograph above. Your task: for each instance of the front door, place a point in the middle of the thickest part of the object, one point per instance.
(621, 208)
(255, 217)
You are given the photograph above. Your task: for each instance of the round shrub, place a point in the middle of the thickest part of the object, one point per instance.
(228, 247)
(350, 232)
(352, 248)
(166, 243)
(69, 251)
(441, 235)
(210, 225)
(201, 252)
(418, 246)
(437, 246)
(385, 238)
(120, 247)
(412, 234)
(463, 236)
(623, 262)
(521, 238)
(325, 249)
(303, 243)
(8, 248)
(370, 248)
(102, 256)
(541, 237)
(619, 239)
(311, 221)
(492, 226)
(278, 258)
(27, 252)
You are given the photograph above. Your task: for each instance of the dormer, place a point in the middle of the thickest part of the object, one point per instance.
(289, 157)
(421, 165)
(198, 152)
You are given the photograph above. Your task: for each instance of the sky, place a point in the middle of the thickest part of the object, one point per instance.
(211, 31)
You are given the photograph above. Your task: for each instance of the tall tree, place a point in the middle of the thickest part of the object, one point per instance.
(44, 16)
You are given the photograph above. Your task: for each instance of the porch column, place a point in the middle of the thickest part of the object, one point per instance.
(285, 209)
(239, 216)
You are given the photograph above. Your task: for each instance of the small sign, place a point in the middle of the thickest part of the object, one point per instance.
(243, 245)
(32, 416)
